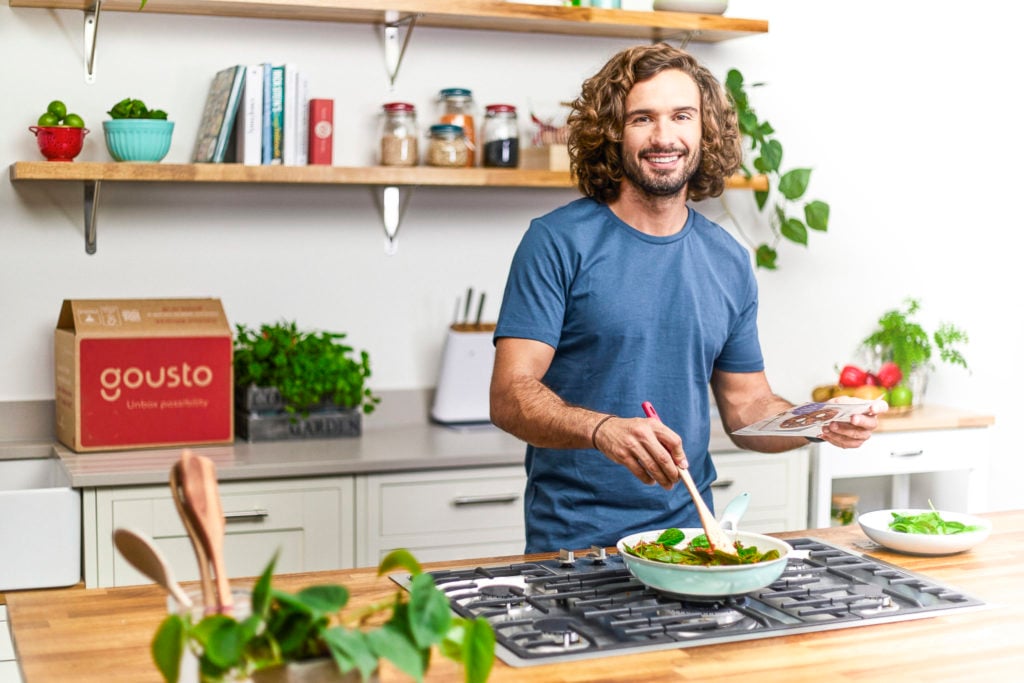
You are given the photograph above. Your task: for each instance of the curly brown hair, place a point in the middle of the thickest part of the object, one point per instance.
(598, 117)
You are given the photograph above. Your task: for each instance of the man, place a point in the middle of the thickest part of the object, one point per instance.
(628, 295)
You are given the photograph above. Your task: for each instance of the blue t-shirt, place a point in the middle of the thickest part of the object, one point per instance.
(632, 318)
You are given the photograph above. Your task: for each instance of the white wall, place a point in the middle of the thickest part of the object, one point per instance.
(905, 111)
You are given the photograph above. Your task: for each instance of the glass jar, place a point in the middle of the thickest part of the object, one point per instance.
(844, 509)
(399, 137)
(447, 146)
(457, 109)
(501, 136)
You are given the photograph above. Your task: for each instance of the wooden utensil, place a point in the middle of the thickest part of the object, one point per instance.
(199, 481)
(716, 537)
(189, 522)
(142, 553)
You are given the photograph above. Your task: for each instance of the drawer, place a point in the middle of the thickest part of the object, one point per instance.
(777, 484)
(905, 453)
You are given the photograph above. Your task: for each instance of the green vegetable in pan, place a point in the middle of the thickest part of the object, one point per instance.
(928, 523)
(696, 552)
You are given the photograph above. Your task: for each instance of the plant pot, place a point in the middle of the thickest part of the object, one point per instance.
(312, 671)
(59, 143)
(138, 139)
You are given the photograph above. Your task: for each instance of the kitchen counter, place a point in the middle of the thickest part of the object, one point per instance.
(103, 634)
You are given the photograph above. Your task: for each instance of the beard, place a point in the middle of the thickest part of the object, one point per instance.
(655, 183)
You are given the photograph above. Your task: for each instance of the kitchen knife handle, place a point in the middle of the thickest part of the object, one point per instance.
(495, 499)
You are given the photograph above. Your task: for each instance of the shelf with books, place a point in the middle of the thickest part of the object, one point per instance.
(92, 174)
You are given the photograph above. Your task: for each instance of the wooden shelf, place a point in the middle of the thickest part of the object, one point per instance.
(379, 176)
(462, 14)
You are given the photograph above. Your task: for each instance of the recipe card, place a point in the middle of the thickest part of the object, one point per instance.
(806, 420)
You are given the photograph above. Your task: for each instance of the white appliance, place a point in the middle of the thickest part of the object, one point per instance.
(463, 384)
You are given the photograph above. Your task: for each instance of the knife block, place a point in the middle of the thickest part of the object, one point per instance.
(464, 381)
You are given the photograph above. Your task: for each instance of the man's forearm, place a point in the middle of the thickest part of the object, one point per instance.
(526, 408)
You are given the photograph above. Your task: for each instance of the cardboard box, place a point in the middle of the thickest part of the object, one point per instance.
(142, 373)
(546, 158)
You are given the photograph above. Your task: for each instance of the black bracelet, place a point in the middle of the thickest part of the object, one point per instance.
(593, 436)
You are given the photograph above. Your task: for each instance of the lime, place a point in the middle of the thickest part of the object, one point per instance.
(900, 396)
(74, 120)
(48, 119)
(58, 109)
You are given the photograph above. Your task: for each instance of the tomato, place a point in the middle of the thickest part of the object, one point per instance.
(900, 396)
(852, 376)
(889, 375)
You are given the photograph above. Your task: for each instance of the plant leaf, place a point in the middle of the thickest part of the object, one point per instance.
(430, 615)
(761, 197)
(477, 649)
(765, 257)
(816, 214)
(351, 648)
(771, 153)
(399, 559)
(391, 644)
(168, 645)
(793, 183)
(795, 231)
(324, 599)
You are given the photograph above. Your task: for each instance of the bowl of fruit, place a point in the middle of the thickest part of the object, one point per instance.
(885, 383)
(59, 134)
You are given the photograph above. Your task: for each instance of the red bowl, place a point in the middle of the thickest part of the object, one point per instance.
(59, 143)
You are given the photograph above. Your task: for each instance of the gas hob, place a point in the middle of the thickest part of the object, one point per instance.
(569, 608)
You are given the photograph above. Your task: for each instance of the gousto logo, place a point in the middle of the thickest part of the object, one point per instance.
(184, 375)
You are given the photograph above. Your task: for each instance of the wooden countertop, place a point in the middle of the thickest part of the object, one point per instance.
(933, 417)
(102, 635)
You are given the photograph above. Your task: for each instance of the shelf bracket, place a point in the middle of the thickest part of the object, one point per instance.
(392, 205)
(90, 204)
(394, 44)
(685, 38)
(90, 30)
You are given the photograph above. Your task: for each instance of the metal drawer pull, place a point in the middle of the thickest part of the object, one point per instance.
(500, 498)
(907, 454)
(722, 483)
(256, 515)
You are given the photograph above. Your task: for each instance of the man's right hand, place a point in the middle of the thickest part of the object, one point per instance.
(647, 448)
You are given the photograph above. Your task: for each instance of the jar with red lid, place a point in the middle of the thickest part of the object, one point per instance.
(501, 136)
(399, 137)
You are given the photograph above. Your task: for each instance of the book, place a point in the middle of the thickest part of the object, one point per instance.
(249, 123)
(219, 113)
(290, 134)
(321, 131)
(267, 141)
(806, 420)
(277, 114)
(303, 127)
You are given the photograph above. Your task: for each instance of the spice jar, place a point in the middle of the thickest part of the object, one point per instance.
(399, 138)
(447, 146)
(844, 509)
(501, 136)
(457, 109)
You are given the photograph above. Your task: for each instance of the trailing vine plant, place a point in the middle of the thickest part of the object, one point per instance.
(785, 189)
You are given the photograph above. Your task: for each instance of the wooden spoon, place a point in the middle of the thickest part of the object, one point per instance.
(142, 553)
(188, 521)
(716, 537)
(199, 481)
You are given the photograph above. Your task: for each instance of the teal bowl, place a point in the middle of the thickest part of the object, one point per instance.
(138, 139)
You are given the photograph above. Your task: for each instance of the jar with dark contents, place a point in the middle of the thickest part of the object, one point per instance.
(501, 136)
(447, 146)
(399, 137)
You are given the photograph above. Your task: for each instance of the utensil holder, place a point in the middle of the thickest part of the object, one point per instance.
(464, 381)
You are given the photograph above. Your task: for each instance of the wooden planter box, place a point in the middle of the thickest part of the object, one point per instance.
(260, 416)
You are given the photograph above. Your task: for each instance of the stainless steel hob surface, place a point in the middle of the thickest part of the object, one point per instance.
(571, 607)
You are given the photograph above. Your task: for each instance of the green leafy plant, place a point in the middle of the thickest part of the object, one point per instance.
(292, 627)
(785, 189)
(902, 340)
(306, 367)
(129, 108)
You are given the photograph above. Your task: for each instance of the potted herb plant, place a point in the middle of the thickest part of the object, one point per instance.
(787, 218)
(900, 339)
(285, 372)
(137, 133)
(288, 633)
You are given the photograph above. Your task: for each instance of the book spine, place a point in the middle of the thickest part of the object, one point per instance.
(277, 115)
(227, 125)
(249, 127)
(321, 132)
(267, 148)
(289, 144)
(303, 130)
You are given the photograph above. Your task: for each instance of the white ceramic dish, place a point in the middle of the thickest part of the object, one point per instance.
(681, 579)
(693, 6)
(876, 526)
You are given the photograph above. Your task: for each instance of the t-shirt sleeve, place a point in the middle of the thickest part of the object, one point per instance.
(533, 306)
(742, 350)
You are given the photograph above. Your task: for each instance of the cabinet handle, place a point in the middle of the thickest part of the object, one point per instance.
(907, 454)
(257, 515)
(499, 499)
(722, 483)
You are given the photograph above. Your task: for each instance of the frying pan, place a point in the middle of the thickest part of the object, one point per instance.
(696, 580)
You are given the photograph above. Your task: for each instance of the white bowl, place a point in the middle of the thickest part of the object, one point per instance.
(694, 6)
(876, 526)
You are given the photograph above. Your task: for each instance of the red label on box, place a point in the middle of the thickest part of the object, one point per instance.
(321, 131)
(163, 390)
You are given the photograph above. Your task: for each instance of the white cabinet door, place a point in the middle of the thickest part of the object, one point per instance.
(308, 522)
(776, 482)
(441, 515)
